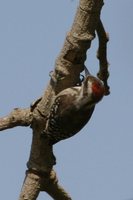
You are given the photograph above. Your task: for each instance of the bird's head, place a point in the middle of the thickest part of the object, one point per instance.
(94, 88)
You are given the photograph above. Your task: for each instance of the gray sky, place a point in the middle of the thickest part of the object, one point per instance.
(96, 164)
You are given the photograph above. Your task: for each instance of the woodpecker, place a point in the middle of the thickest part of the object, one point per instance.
(73, 108)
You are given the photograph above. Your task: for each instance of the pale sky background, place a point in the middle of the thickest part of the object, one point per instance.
(96, 164)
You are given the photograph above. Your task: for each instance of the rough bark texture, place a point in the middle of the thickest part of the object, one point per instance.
(40, 175)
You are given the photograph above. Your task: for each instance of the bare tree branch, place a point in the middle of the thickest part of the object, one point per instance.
(52, 187)
(18, 117)
(31, 188)
(103, 73)
(36, 182)
(69, 64)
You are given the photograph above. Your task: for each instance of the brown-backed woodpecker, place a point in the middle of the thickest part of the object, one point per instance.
(72, 109)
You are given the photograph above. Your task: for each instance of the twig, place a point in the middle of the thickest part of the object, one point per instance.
(103, 73)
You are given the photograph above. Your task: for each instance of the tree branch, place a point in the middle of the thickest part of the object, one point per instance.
(36, 182)
(18, 117)
(103, 73)
(69, 64)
